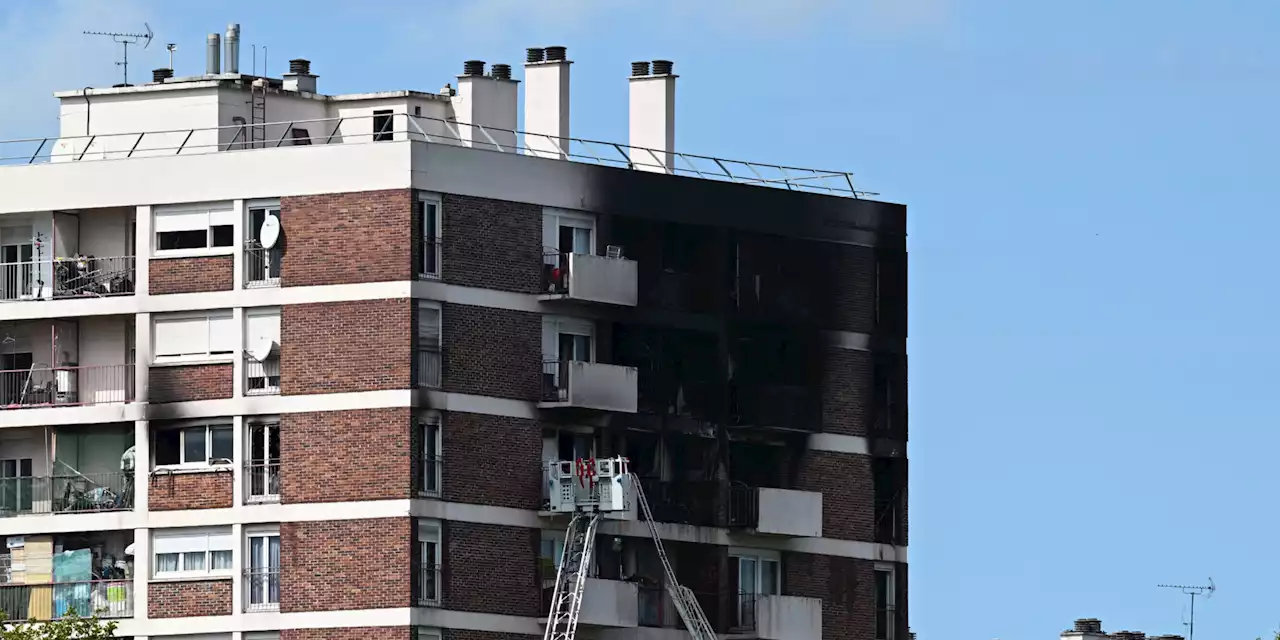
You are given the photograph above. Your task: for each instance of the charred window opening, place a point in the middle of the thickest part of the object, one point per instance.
(777, 276)
(678, 369)
(677, 263)
(775, 377)
(888, 396)
(889, 482)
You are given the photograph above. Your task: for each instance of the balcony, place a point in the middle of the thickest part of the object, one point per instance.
(779, 406)
(710, 503)
(105, 598)
(78, 493)
(262, 377)
(783, 512)
(774, 617)
(589, 385)
(262, 589)
(67, 278)
(262, 482)
(605, 603)
(261, 265)
(44, 386)
(589, 278)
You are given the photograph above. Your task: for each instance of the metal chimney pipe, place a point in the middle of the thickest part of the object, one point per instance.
(213, 56)
(233, 48)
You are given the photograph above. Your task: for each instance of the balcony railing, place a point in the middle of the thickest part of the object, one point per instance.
(262, 265)
(43, 386)
(429, 265)
(105, 598)
(428, 475)
(360, 130)
(78, 277)
(261, 378)
(704, 503)
(66, 494)
(589, 385)
(429, 367)
(262, 589)
(589, 278)
(262, 482)
(744, 612)
(426, 585)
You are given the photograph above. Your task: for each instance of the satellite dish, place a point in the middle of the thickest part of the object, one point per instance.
(128, 551)
(262, 348)
(270, 232)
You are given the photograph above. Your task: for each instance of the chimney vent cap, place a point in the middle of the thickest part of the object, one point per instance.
(1088, 625)
(159, 75)
(662, 67)
(535, 54)
(501, 71)
(640, 68)
(556, 53)
(300, 66)
(473, 68)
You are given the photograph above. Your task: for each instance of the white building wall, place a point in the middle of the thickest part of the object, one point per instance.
(105, 232)
(115, 118)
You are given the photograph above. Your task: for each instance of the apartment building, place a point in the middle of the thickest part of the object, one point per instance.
(278, 363)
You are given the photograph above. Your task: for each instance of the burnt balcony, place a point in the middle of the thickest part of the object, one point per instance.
(779, 406)
(581, 277)
(711, 503)
(589, 385)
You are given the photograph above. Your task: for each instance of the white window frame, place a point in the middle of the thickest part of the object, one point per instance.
(431, 531)
(210, 209)
(266, 533)
(556, 325)
(192, 358)
(209, 550)
(427, 422)
(267, 424)
(182, 428)
(432, 199)
(760, 556)
(438, 309)
(552, 219)
(891, 606)
(270, 205)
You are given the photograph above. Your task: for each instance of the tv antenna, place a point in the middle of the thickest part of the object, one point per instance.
(126, 39)
(171, 47)
(1193, 591)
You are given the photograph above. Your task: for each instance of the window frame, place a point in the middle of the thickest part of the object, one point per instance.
(428, 531)
(760, 556)
(375, 131)
(889, 608)
(182, 573)
(429, 199)
(247, 563)
(208, 356)
(437, 348)
(182, 428)
(429, 423)
(553, 218)
(209, 209)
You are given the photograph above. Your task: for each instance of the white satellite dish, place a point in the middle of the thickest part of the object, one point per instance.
(270, 232)
(262, 348)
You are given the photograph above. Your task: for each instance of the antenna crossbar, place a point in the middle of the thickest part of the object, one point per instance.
(124, 40)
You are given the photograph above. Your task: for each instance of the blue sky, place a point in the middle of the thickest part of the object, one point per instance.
(1091, 301)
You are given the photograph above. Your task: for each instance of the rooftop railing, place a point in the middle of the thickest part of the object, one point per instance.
(376, 129)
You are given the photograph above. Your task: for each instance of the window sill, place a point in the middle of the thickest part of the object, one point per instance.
(177, 471)
(204, 578)
(209, 252)
(194, 362)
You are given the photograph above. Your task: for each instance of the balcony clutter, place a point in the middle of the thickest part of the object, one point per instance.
(51, 577)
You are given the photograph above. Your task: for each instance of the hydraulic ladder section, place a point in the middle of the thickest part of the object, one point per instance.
(571, 578)
(686, 603)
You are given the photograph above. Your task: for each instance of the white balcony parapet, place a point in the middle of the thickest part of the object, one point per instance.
(589, 385)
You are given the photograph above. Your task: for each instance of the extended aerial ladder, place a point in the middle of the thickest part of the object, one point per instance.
(587, 489)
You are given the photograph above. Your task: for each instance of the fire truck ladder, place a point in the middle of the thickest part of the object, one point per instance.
(686, 603)
(571, 578)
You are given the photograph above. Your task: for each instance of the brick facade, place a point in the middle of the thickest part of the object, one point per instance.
(344, 238)
(172, 491)
(853, 301)
(333, 565)
(848, 497)
(189, 598)
(349, 633)
(491, 569)
(492, 244)
(475, 475)
(492, 352)
(183, 383)
(340, 456)
(338, 347)
(846, 587)
(190, 275)
(846, 392)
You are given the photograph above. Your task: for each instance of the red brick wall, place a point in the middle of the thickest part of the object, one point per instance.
(492, 352)
(846, 587)
(189, 598)
(492, 244)
(491, 569)
(337, 347)
(342, 238)
(848, 497)
(338, 456)
(474, 474)
(853, 268)
(191, 275)
(846, 392)
(345, 564)
(212, 490)
(349, 633)
(190, 382)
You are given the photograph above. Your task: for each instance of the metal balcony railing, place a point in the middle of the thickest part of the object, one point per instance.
(262, 265)
(428, 475)
(429, 367)
(555, 272)
(555, 380)
(430, 259)
(262, 482)
(262, 589)
(704, 503)
(43, 386)
(66, 494)
(261, 378)
(426, 585)
(78, 277)
(360, 130)
(744, 611)
(104, 598)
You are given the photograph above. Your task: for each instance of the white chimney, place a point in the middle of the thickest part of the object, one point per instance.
(487, 103)
(299, 77)
(546, 102)
(232, 43)
(653, 116)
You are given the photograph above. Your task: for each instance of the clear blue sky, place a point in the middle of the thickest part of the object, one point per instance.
(1092, 308)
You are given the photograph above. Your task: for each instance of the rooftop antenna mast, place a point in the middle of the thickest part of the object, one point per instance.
(1193, 591)
(126, 39)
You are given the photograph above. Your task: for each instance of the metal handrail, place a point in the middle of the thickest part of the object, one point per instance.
(839, 183)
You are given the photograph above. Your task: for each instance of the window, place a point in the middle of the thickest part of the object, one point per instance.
(428, 345)
(198, 227)
(300, 136)
(262, 473)
(262, 570)
(564, 340)
(262, 340)
(887, 481)
(427, 563)
(262, 264)
(15, 486)
(884, 603)
(193, 337)
(568, 231)
(430, 223)
(758, 575)
(192, 552)
(195, 446)
(382, 125)
(430, 471)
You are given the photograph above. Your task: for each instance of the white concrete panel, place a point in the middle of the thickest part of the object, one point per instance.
(105, 232)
